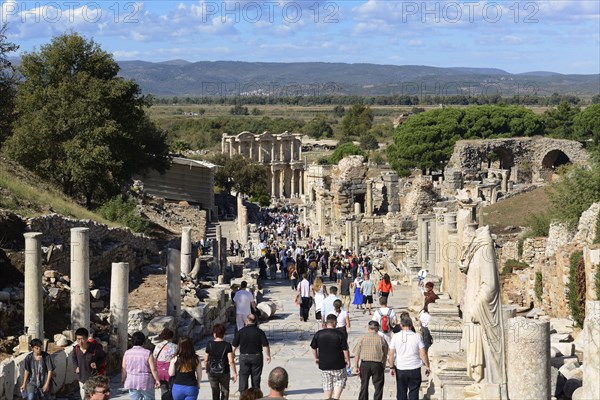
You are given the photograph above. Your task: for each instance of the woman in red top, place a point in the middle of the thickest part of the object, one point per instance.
(385, 286)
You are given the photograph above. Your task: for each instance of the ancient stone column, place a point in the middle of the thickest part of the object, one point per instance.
(80, 278)
(357, 208)
(217, 244)
(243, 218)
(349, 232)
(186, 250)
(272, 182)
(223, 253)
(356, 238)
(421, 241)
(173, 283)
(34, 298)
(369, 199)
(431, 245)
(528, 356)
(119, 308)
(293, 183)
(282, 182)
(591, 365)
(272, 157)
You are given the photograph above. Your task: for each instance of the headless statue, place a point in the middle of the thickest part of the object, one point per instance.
(483, 335)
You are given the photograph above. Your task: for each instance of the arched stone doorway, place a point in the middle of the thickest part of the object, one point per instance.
(551, 161)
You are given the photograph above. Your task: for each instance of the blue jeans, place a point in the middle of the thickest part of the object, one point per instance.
(139, 394)
(184, 392)
(40, 395)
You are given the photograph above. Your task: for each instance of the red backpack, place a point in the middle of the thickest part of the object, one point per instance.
(101, 368)
(385, 321)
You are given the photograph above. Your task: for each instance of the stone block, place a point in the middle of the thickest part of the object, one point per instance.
(61, 340)
(157, 324)
(60, 362)
(568, 368)
(19, 370)
(267, 309)
(562, 349)
(7, 379)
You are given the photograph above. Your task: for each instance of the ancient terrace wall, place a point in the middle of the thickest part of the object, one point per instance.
(281, 152)
(519, 160)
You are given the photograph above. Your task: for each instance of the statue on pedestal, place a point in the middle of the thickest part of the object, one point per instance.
(483, 332)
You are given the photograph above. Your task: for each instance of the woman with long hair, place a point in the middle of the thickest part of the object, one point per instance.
(187, 370)
(385, 287)
(358, 297)
(343, 319)
(319, 292)
(219, 364)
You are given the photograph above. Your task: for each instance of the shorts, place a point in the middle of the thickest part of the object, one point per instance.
(368, 299)
(334, 378)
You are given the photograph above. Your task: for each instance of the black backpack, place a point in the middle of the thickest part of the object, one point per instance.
(216, 366)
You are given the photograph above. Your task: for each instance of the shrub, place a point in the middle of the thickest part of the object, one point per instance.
(262, 199)
(344, 150)
(576, 287)
(539, 224)
(597, 238)
(597, 283)
(520, 247)
(538, 287)
(511, 265)
(125, 213)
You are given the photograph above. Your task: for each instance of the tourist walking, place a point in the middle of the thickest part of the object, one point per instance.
(88, 358)
(303, 298)
(163, 353)
(358, 297)
(319, 291)
(252, 342)
(187, 371)
(138, 370)
(328, 307)
(406, 356)
(37, 376)
(370, 354)
(97, 388)
(219, 364)
(278, 382)
(386, 318)
(330, 351)
(367, 288)
(385, 287)
(345, 284)
(244, 304)
(343, 318)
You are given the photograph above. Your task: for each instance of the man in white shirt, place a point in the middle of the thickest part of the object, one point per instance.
(304, 298)
(407, 352)
(385, 312)
(244, 304)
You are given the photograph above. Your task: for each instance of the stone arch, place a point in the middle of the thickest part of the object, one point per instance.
(552, 160)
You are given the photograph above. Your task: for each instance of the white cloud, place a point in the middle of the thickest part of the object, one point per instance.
(415, 43)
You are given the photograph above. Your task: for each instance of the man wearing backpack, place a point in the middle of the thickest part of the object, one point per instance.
(386, 318)
(37, 377)
(88, 357)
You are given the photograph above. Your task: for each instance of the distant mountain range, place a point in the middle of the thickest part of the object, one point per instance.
(220, 78)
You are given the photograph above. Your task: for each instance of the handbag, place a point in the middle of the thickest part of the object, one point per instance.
(162, 367)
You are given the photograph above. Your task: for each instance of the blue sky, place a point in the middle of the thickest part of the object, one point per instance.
(517, 36)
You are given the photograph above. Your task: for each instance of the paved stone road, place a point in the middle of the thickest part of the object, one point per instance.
(290, 339)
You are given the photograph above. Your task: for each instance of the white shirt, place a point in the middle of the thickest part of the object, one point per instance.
(341, 319)
(327, 307)
(407, 345)
(424, 317)
(243, 300)
(304, 288)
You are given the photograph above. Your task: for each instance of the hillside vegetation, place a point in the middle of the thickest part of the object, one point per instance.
(22, 192)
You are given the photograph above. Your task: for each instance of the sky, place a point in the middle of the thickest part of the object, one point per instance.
(517, 36)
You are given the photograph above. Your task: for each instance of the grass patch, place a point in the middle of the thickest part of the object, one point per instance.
(124, 212)
(511, 265)
(538, 287)
(515, 211)
(29, 201)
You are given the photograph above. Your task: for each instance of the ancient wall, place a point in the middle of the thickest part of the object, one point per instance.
(107, 245)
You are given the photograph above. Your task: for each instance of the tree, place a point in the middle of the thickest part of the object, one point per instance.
(80, 125)
(368, 142)
(238, 109)
(586, 125)
(559, 121)
(426, 140)
(339, 111)
(345, 150)
(596, 99)
(7, 85)
(357, 120)
(240, 174)
(317, 128)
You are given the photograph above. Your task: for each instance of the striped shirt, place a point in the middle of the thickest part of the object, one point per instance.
(139, 376)
(371, 347)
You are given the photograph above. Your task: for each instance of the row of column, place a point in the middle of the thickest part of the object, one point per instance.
(277, 150)
(80, 291)
(279, 178)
